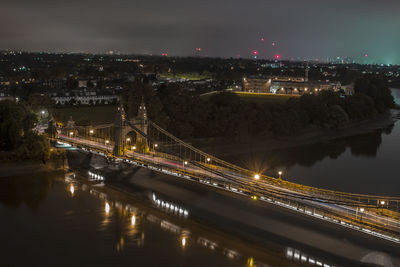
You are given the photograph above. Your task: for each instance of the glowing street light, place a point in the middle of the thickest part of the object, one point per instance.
(361, 209)
(183, 241)
(71, 134)
(208, 159)
(107, 142)
(91, 131)
(185, 162)
(382, 202)
(280, 174)
(156, 145)
(43, 112)
(133, 147)
(128, 139)
(257, 176)
(133, 220)
(107, 208)
(72, 189)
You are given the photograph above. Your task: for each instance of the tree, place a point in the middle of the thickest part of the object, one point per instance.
(132, 96)
(335, 117)
(16, 134)
(38, 102)
(376, 88)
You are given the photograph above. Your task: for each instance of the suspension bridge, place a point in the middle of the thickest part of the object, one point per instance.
(142, 142)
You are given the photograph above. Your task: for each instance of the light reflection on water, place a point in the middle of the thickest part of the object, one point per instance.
(134, 235)
(85, 219)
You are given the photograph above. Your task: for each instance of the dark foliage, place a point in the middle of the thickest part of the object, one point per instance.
(16, 123)
(227, 115)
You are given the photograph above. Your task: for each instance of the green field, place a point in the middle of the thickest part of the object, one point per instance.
(192, 76)
(95, 114)
(264, 98)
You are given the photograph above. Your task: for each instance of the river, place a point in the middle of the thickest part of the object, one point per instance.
(48, 220)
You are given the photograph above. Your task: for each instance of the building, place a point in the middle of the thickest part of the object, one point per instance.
(86, 100)
(287, 85)
(297, 88)
(256, 85)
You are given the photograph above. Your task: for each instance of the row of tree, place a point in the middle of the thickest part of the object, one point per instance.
(16, 132)
(227, 115)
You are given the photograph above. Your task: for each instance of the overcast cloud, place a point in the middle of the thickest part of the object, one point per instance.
(301, 28)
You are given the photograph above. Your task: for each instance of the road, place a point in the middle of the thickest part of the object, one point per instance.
(346, 216)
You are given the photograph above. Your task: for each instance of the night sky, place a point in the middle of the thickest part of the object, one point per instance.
(300, 28)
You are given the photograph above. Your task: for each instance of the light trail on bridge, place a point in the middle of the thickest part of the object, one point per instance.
(348, 216)
(174, 156)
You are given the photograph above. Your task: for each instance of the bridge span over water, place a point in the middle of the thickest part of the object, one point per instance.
(142, 142)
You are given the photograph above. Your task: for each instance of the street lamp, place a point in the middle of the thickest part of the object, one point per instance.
(256, 176)
(71, 134)
(155, 145)
(183, 241)
(72, 189)
(208, 160)
(382, 202)
(107, 208)
(133, 220)
(91, 131)
(280, 174)
(361, 212)
(133, 147)
(107, 142)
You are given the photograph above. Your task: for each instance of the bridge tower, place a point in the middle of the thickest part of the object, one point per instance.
(70, 129)
(119, 132)
(141, 123)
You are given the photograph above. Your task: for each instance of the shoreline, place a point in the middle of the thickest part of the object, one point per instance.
(221, 148)
(16, 168)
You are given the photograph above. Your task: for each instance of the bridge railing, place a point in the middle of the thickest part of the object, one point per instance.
(178, 150)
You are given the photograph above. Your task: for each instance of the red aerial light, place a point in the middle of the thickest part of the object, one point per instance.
(255, 52)
(262, 39)
(273, 44)
(366, 55)
(277, 56)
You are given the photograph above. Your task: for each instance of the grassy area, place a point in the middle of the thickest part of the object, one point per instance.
(193, 76)
(264, 97)
(94, 114)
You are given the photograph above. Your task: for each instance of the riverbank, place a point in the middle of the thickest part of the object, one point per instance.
(15, 168)
(222, 148)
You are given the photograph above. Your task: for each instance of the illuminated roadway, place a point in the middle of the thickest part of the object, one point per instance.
(352, 217)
